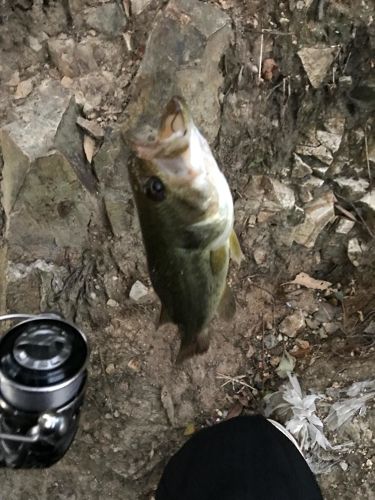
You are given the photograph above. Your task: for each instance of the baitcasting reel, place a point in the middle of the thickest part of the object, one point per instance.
(43, 362)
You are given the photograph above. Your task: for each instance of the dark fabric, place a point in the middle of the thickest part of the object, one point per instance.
(244, 458)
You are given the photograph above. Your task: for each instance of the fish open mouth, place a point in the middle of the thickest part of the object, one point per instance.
(174, 121)
(172, 137)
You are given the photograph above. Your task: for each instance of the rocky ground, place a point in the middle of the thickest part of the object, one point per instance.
(285, 93)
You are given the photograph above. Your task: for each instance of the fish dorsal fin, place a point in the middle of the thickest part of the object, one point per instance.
(218, 259)
(227, 306)
(163, 318)
(235, 248)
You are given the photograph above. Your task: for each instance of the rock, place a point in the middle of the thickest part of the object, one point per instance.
(66, 82)
(313, 182)
(110, 168)
(331, 327)
(304, 194)
(356, 252)
(270, 341)
(267, 196)
(139, 6)
(91, 127)
(313, 324)
(325, 313)
(14, 79)
(370, 328)
(24, 89)
(260, 256)
(330, 140)
(138, 291)
(45, 177)
(34, 44)
(182, 56)
(320, 152)
(112, 303)
(352, 188)
(293, 324)
(345, 226)
(108, 19)
(369, 200)
(61, 52)
(300, 168)
(318, 213)
(316, 62)
(110, 369)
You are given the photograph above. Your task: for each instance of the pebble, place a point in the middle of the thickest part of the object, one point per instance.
(138, 291)
(112, 303)
(110, 369)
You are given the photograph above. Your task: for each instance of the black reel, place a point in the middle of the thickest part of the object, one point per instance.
(43, 372)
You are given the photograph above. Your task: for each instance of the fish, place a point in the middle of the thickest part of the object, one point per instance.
(186, 214)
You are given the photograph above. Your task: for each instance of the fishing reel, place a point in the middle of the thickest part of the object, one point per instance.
(43, 372)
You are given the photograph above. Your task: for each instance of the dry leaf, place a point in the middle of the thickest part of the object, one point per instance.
(286, 365)
(307, 281)
(189, 429)
(235, 411)
(24, 89)
(89, 146)
(269, 69)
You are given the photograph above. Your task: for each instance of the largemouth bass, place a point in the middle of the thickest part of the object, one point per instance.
(185, 209)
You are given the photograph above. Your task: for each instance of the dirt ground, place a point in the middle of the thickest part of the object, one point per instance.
(140, 406)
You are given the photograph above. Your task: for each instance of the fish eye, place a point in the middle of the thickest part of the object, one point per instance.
(154, 189)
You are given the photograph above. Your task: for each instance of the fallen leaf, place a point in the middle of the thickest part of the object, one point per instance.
(269, 68)
(24, 89)
(286, 365)
(14, 79)
(307, 281)
(235, 411)
(89, 147)
(189, 429)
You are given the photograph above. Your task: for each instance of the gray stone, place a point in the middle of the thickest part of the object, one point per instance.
(352, 188)
(271, 341)
(369, 201)
(325, 313)
(61, 52)
(345, 226)
(356, 251)
(72, 59)
(139, 6)
(91, 127)
(138, 291)
(267, 196)
(292, 325)
(318, 213)
(182, 56)
(300, 168)
(44, 177)
(316, 62)
(108, 19)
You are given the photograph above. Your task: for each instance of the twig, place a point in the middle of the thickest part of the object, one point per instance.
(106, 392)
(260, 57)
(234, 380)
(367, 160)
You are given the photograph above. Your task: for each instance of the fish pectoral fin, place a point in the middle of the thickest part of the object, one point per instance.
(163, 318)
(235, 248)
(227, 306)
(218, 259)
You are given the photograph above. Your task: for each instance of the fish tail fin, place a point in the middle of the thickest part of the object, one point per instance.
(190, 347)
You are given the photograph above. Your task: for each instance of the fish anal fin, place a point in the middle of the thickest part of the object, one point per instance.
(218, 259)
(235, 248)
(227, 306)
